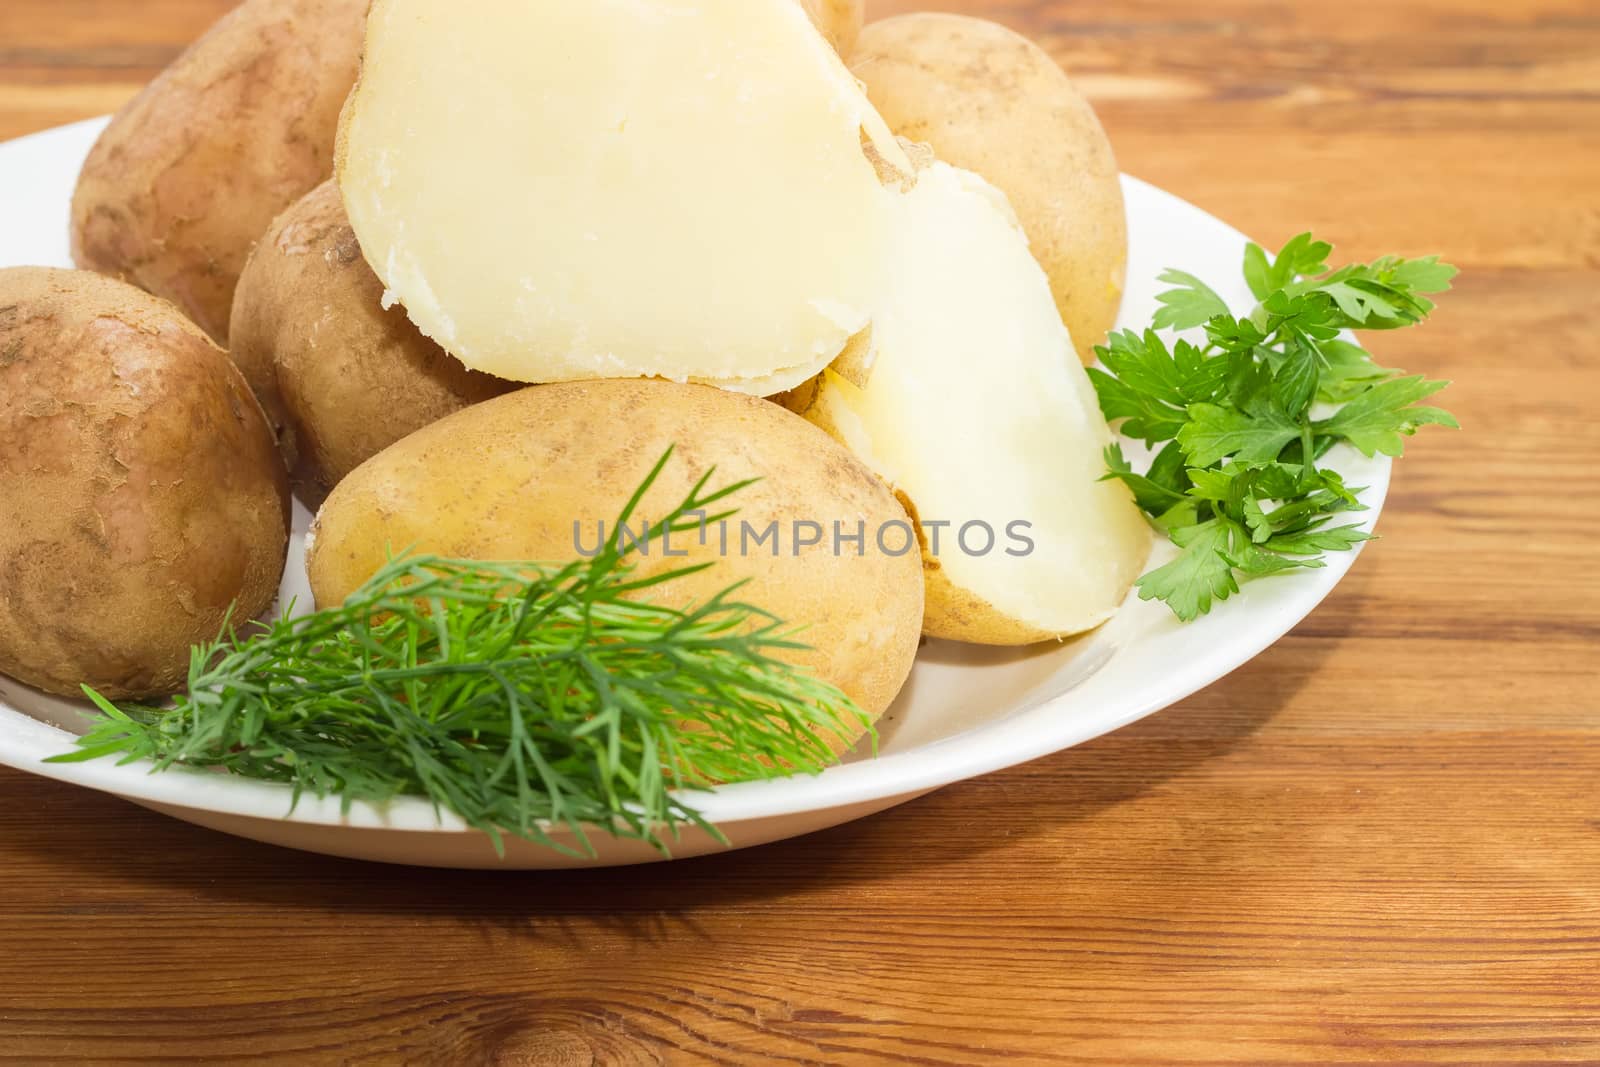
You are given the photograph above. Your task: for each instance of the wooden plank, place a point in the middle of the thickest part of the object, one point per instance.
(1378, 842)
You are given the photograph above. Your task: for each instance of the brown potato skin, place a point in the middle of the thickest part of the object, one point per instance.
(991, 101)
(507, 480)
(193, 169)
(839, 20)
(140, 493)
(341, 378)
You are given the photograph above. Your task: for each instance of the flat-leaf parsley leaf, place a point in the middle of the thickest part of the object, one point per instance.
(1247, 416)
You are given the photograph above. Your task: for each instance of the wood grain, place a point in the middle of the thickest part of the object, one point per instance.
(1378, 842)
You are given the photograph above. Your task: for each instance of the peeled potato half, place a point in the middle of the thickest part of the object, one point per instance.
(619, 188)
(973, 406)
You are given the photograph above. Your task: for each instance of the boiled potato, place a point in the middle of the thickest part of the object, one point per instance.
(839, 21)
(343, 377)
(710, 216)
(971, 405)
(991, 101)
(140, 494)
(190, 173)
(530, 476)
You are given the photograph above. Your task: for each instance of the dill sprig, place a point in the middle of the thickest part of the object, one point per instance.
(520, 696)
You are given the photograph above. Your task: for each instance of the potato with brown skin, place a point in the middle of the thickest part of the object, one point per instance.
(531, 475)
(991, 101)
(839, 20)
(140, 493)
(192, 170)
(341, 377)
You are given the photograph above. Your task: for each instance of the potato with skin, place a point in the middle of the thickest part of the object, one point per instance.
(839, 20)
(991, 101)
(532, 475)
(342, 377)
(191, 172)
(140, 493)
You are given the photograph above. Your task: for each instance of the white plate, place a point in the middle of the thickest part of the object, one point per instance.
(966, 711)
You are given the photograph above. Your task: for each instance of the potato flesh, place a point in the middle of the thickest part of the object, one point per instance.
(977, 410)
(679, 187)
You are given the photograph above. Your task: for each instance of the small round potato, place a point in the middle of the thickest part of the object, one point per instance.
(989, 100)
(341, 377)
(532, 475)
(141, 497)
(190, 172)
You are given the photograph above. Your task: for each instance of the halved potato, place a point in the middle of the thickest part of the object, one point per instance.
(972, 406)
(619, 188)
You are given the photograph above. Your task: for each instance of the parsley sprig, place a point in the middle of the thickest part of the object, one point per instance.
(1245, 416)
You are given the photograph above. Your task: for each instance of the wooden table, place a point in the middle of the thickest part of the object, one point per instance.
(1379, 841)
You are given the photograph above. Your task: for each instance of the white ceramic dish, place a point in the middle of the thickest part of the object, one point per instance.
(965, 713)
